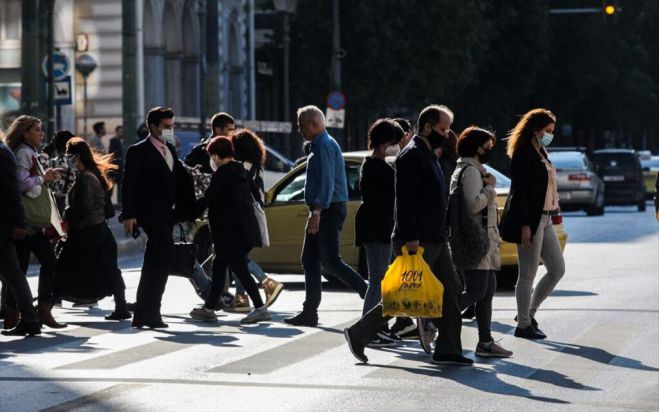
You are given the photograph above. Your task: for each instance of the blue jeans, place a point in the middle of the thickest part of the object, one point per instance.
(322, 249)
(378, 256)
(256, 271)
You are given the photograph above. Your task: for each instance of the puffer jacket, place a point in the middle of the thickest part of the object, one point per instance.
(477, 197)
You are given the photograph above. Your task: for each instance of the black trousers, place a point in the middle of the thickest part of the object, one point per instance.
(480, 288)
(14, 279)
(237, 261)
(155, 269)
(45, 253)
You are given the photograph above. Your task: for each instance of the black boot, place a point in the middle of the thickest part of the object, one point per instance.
(24, 329)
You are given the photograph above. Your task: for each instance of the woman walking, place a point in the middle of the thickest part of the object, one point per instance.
(234, 229)
(374, 221)
(25, 137)
(526, 218)
(249, 150)
(475, 146)
(87, 264)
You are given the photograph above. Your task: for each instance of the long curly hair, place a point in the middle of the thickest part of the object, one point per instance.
(522, 134)
(93, 161)
(18, 127)
(248, 147)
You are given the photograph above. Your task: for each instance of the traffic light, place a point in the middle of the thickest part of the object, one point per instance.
(610, 7)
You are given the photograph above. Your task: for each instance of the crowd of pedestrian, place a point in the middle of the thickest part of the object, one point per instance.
(407, 184)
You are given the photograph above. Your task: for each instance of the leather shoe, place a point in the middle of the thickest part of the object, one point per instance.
(119, 315)
(23, 329)
(151, 324)
(303, 319)
(529, 332)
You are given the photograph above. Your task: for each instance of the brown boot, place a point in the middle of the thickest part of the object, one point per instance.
(272, 289)
(12, 316)
(46, 317)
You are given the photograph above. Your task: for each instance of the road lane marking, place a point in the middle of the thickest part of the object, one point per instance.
(94, 399)
(287, 354)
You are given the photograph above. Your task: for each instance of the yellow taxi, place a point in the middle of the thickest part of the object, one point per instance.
(287, 216)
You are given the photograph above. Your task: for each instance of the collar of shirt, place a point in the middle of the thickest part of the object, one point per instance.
(159, 144)
(322, 136)
(424, 147)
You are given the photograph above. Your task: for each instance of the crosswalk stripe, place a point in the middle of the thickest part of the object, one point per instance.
(585, 357)
(287, 354)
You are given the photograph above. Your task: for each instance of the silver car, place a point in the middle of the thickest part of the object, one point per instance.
(579, 186)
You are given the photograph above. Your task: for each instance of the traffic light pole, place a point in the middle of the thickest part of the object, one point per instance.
(50, 129)
(30, 65)
(129, 71)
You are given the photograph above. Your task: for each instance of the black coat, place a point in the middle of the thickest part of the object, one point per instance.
(374, 221)
(527, 194)
(421, 195)
(199, 157)
(229, 199)
(150, 190)
(11, 208)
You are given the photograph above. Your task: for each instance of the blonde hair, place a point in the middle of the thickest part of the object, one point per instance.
(522, 133)
(21, 125)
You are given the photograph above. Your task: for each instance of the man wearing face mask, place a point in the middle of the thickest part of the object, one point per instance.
(157, 192)
(420, 221)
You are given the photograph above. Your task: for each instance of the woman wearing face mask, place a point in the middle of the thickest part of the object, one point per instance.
(24, 137)
(87, 264)
(475, 147)
(374, 221)
(234, 229)
(526, 217)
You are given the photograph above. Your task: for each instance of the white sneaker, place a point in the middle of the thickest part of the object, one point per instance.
(257, 315)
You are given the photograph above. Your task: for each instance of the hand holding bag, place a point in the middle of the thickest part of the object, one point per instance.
(185, 255)
(409, 288)
(38, 210)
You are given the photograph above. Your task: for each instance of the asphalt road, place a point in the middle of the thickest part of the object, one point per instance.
(602, 351)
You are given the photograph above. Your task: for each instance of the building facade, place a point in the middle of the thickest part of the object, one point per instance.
(169, 56)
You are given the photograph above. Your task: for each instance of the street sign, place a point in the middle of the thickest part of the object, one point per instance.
(335, 118)
(61, 65)
(62, 91)
(336, 101)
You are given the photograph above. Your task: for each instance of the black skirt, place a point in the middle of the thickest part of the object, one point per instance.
(87, 264)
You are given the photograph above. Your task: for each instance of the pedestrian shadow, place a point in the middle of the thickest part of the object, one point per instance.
(558, 293)
(479, 378)
(267, 329)
(193, 338)
(596, 355)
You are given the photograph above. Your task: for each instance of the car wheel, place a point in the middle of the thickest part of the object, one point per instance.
(507, 277)
(641, 206)
(595, 210)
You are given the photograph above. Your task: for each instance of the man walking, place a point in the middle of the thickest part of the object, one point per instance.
(420, 221)
(116, 149)
(157, 191)
(12, 226)
(97, 140)
(326, 194)
(222, 124)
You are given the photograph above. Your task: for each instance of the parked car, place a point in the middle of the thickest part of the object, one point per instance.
(579, 186)
(650, 169)
(621, 171)
(287, 216)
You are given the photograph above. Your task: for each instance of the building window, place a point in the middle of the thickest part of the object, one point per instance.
(10, 20)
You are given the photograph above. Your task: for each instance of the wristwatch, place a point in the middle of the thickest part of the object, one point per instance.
(316, 213)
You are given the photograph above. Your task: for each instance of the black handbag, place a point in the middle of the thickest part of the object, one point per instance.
(185, 255)
(468, 239)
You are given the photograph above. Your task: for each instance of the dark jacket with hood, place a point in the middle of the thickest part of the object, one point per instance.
(229, 199)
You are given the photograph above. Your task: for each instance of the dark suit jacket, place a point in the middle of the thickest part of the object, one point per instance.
(11, 208)
(421, 196)
(234, 228)
(150, 190)
(527, 194)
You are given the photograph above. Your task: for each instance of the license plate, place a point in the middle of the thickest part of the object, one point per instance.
(614, 178)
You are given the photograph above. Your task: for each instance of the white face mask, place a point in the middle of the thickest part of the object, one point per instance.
(392, 150)
(213, 164)
(168, 136)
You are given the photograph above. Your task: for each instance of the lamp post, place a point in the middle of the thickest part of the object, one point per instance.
(286, 7)
(85, 64)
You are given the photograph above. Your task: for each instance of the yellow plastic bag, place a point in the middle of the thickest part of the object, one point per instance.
(409, 288)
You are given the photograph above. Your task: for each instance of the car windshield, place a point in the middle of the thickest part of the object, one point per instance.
(292, 191)
(569, 161)
(651, 163)
(503, 182)
(615, 160)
